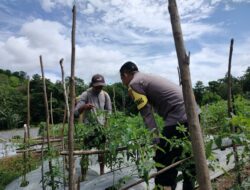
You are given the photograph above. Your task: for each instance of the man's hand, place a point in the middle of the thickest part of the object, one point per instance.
(87, 106)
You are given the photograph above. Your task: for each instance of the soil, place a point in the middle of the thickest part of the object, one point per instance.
(226, 181)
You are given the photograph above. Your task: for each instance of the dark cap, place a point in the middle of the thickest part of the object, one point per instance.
(98, 80)
(129, 67)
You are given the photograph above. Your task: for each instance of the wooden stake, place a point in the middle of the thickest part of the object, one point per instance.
(28, 108)
(47, 122)
(189, 100)
(28, 117)
(51, 109)
(231, 111)
(24, 180)
(72, 107)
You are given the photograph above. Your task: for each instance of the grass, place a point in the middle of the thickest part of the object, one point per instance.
(13, 167)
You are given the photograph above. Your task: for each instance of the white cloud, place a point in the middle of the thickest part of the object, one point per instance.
(92, 60)
(46, 38)
(195, 30)
(37, 38)
(47, 5)
(45, 33)
(111, 32)
(211, 62)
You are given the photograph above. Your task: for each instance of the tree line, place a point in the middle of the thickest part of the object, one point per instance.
(217, 90)
(13, 96)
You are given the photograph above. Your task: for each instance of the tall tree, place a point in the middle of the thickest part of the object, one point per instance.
(199, 90)
(246, 81)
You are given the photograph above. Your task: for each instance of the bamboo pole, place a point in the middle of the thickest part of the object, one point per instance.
(51, 109)
(229, 82)
(231, 111)
(28, 117)
(65, 115)
(42, 158)
(189, 100)
(72, 107)
(47, 122)
(28, 108)
(40, 143)
(24, 180)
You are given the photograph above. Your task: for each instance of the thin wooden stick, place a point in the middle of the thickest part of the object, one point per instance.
(231, 111)
(28, 117)
(155, 174)
(42, 158)
(25, 154)
(65, 115)
(51, 109)
(47, 123)
(28, 108)
(40, 143)
(72, 107)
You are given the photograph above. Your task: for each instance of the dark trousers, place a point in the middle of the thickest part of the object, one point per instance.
(170, 156)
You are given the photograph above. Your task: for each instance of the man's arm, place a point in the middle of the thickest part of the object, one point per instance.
(82, 104)
(144, 107)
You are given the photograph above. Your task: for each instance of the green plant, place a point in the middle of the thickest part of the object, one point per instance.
(12, 167)
(216, 122)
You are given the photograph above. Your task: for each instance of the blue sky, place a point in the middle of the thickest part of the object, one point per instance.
(111, 32)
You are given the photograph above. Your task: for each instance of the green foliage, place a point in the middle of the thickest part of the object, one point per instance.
(246, 81)
(13, 92)
(215, 122)
(12, 167)
(120, 131)
(12, 102)
(213, 117)
(210, 97)
(199, 91)
(55, 174)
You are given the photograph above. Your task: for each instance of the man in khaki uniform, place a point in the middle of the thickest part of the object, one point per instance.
(165, 98)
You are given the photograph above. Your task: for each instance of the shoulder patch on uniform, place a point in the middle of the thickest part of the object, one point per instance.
(140, 99)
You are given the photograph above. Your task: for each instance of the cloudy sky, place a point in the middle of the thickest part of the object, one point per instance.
(111, 32)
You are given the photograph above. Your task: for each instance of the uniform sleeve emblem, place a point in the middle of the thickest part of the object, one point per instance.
(140, 99)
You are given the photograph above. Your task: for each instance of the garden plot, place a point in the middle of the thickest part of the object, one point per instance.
(96, 182)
